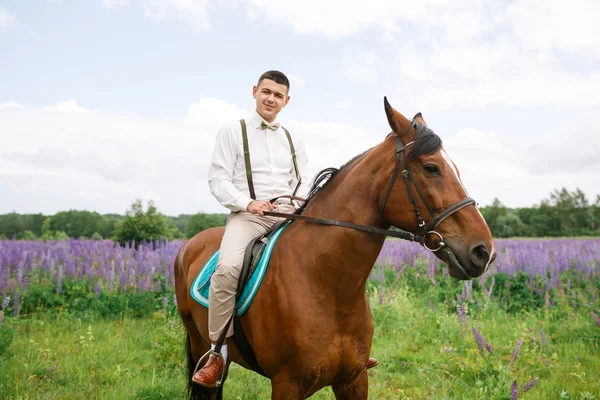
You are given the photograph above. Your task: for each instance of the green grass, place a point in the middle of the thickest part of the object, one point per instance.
(424, 354)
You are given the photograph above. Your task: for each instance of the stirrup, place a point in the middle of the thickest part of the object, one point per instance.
(206, 355)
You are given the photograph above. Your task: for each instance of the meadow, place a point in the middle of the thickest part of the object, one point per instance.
(87, 319)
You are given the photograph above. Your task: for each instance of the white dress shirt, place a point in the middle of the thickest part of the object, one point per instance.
(273, 171)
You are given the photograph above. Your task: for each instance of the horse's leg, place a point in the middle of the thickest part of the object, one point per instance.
(283, 388)
(196, 348)
(358, 389)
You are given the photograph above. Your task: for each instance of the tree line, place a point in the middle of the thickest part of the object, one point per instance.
(137, 224)
(564, 213)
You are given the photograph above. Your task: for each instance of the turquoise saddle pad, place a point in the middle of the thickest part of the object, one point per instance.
(201, 286)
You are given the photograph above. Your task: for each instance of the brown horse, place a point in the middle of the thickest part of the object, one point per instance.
(310, 324)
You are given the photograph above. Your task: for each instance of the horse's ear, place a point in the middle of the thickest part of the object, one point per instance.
(397, 121)
(419, 118)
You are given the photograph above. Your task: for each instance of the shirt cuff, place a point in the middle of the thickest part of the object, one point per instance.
(242, 202)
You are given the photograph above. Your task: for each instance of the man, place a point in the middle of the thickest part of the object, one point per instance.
(273, 174)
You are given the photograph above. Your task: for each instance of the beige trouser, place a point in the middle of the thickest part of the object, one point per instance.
(241, 227)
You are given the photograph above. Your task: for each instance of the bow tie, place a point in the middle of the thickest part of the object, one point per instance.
(272, 127)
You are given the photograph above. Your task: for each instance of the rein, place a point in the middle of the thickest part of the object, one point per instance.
(408, 179)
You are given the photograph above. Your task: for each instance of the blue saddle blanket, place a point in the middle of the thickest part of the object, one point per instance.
(201, 286)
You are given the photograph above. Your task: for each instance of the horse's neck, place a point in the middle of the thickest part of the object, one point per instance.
(340, 259)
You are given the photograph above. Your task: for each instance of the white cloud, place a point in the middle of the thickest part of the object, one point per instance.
(66, 106)
(10, 104)
(566, 91)
(7, 20)
(522, 172)
(362, 65)
(212, 111)
(469, 53)
(554, 24)
(54, 160)
(332, 19)
(115, 3)
(192, 11)
(103, 161)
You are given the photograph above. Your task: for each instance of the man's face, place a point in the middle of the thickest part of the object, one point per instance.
(270, 97)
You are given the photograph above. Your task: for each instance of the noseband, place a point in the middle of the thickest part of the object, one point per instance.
(408, 179)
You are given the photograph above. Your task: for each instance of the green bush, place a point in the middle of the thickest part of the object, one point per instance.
(79, 299)
(141, 225)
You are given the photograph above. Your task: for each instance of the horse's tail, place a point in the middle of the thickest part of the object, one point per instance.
(195, 392)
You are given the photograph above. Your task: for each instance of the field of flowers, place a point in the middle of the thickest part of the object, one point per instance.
(104, 267)
(539, 300)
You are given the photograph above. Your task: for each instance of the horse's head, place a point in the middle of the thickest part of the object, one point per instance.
(425, 196)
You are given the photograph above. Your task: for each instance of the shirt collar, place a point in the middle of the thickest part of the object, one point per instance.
(257, 119)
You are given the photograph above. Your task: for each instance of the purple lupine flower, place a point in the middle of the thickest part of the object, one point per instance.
(111, 277)
(3, 278)
(6, 302)
(478, 339)
(25, 283)
(122, 277)
(515, 353)
(488, 347)
(59, 279)
(462, 313)
(17, 302)
(19, 274)
(513, 390)
(481, 342)
(529, 385)
(543, 338)
(468, 291)
(596, 319)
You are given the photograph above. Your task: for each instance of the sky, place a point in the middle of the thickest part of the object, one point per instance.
(103, 102)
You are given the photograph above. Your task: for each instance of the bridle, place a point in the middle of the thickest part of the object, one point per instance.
(408, 179)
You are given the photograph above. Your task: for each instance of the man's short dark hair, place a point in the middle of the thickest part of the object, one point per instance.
(277, 76)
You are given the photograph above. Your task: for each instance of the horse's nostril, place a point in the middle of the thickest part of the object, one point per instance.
(480, 255)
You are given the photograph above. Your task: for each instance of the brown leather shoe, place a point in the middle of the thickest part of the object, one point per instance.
(210, 374)
(372, 363)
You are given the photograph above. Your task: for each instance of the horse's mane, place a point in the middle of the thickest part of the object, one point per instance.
(426, 142)
(326, 175)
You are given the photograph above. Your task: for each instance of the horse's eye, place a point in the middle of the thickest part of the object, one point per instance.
(432, 169)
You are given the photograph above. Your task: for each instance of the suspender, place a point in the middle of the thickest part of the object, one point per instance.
(249, 167)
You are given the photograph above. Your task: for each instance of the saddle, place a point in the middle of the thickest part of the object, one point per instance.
(254, 252)
(253, 255)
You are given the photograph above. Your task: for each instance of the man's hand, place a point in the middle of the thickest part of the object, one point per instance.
(260, 206)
